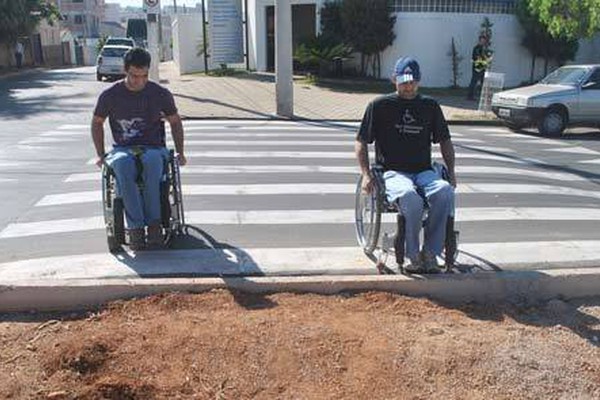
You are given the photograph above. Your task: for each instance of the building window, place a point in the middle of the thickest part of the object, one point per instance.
(79, 19)
(456, 6)
(77, 1)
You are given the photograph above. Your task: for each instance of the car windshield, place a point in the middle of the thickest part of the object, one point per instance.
(120, 42)
(565, 76)
(113, 52)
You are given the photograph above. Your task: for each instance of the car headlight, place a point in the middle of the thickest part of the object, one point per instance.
(522, 101)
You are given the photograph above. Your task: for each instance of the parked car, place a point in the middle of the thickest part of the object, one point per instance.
(568, 96)
(110, 62)
(119, 41)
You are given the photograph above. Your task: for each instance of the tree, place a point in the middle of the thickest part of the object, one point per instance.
(455, 59)
(332, 30)
(369, 28)
(540, 42)
(568, 19)
(19, 18)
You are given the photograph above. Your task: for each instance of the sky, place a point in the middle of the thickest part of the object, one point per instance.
(138, 3)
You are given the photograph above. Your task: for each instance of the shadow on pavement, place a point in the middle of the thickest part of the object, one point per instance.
(193, 254)
(226, 105)
(15, 107)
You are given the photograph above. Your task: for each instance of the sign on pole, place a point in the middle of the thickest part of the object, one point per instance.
(152, 6)
(492, 82)
(225, 25)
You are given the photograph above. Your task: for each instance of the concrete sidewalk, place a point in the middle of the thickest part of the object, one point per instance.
(252, 96)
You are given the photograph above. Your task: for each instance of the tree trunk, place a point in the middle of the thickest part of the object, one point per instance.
(546, 59)
(532, 69)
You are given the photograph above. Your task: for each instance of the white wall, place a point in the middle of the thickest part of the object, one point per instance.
(428, 36)
(187, 36)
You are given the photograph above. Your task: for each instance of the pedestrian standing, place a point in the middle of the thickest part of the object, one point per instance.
(19, 54)
(480, 60)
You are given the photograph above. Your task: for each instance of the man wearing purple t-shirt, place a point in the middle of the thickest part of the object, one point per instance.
(136, 109)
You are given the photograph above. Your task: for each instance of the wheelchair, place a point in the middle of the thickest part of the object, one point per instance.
(369, 208)
(171, 204)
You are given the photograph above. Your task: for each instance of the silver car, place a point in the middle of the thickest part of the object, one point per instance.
(110, 62)
(568, 96)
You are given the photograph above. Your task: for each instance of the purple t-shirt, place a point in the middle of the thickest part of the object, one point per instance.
(135, 118)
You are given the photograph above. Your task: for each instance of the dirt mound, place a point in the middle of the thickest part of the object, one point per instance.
(223, 345)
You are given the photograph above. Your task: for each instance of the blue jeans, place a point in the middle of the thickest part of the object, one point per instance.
(402, 187)
(142, 207)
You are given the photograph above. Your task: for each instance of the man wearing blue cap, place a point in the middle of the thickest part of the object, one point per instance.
(403, 126)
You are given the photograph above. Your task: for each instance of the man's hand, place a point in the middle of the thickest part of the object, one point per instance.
(181, 159)
(452, 179)
(99, 162)
(367, 184)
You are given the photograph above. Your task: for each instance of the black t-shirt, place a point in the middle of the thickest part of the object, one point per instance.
(403, 131)
(136, 117)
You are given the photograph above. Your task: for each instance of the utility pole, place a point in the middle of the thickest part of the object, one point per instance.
(284, 88)
(175, 7)
(152, 21)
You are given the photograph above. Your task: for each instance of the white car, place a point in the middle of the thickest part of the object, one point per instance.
(568, 96)
(119, 41)
(110, 62)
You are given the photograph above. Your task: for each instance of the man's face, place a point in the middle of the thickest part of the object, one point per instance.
(136, 78)
(407, 90)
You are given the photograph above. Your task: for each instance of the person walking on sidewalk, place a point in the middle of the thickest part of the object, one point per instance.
(403, 125)
(480, 61)
(136, 108)
(19, 49)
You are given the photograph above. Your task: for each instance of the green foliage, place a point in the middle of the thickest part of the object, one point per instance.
(332, 30)
(485, 62)
(19, 18)
(455, 59)
(100, 43)
(318, 54)
(368, 27)
(568, 19)
(540, 42)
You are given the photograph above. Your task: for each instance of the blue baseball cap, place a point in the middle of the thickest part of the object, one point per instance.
(406, 70)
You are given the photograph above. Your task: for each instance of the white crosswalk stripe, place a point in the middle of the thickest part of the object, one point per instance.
(297, 217)
(240, 161)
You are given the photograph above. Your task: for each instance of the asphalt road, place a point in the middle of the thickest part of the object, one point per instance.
(282, 192)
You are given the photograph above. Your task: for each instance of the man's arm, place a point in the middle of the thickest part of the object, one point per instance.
(177, 133)
(447, 149)
(361, 149)
(98, 137)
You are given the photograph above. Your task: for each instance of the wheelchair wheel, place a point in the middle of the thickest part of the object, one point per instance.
(450, 245)
(118, 227)
(113, 212)
(368, 209)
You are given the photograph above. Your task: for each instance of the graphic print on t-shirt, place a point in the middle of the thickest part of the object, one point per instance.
(408, 127)
(131, 128)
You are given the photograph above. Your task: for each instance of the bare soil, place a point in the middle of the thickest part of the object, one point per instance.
(224, 345)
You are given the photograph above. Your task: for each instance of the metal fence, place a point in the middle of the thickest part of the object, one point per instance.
(455, 6)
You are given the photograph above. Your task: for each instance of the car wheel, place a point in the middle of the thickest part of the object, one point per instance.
(552, 123)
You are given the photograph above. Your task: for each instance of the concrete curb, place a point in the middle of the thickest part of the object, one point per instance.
(512, 286)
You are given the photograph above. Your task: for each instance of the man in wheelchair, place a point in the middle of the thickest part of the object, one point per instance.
(403, 125)
(136, 109)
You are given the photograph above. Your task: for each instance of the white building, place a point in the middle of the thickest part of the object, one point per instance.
(424, 29)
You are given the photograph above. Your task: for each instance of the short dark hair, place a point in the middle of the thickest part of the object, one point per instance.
(137, 57)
